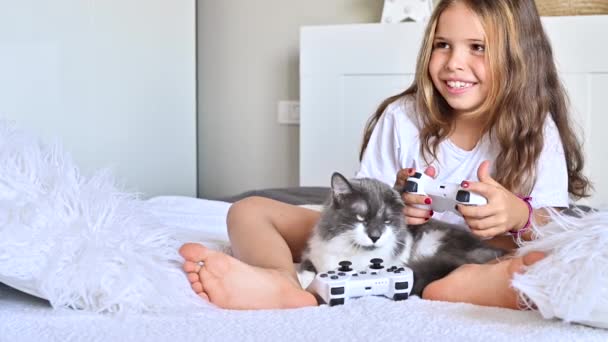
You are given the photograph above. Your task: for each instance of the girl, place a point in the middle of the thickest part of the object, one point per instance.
(486, 88)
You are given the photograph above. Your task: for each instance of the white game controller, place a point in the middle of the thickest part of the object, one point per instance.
(444, 196)
(337, 287)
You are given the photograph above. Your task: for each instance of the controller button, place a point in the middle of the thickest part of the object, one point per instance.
(463, 196)
(331, 272)
(374, 273)
(411, 186)
(400, 269)
(397, 272)
(417, 175)
(345, 266)
(376, 264)
(337, 290)
(401, 285)
(355, 275)
(400, 296)
(368, 288)
(334, 277)
(363, 272)
(323, 275)
(336, 301)
(341, 273)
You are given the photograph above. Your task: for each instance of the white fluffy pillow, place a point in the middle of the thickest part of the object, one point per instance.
(80, 242)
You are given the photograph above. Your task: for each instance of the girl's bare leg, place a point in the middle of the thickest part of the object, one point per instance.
(487, 285)
(266, 236)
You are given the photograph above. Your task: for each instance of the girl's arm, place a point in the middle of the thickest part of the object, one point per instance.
(551, 187)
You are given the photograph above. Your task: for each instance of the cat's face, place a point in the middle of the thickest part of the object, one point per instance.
(365, 211)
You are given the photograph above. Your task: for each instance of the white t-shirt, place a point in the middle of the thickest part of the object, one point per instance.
(394, 145)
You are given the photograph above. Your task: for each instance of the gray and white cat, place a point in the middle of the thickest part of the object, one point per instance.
(363, 219)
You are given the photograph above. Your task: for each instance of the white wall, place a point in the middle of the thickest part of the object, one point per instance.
(248, 60)
(114, 80)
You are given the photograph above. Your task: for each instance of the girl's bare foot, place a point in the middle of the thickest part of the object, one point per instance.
(232, 284)
(488, 285)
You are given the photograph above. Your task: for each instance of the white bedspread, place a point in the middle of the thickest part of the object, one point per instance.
(26, 318)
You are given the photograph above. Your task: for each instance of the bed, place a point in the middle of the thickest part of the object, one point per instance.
(27, 318)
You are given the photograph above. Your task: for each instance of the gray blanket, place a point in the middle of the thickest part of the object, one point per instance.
(296, 196)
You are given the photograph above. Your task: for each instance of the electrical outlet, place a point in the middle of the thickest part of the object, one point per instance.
(288, 112)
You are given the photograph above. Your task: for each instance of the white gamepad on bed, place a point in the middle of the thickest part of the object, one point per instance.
(444, 196)
(337, 287)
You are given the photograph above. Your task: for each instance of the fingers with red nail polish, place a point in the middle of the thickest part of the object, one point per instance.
(417, 208)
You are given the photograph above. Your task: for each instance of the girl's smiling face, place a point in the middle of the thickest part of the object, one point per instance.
(458, 64)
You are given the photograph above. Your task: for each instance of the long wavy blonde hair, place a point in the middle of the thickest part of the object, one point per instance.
(525, 88)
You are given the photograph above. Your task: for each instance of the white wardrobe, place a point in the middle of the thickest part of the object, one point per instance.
(114, 80)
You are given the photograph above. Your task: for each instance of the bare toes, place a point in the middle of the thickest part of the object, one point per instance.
(191, 266)
(195, 252)
(533, 257)
(517, 265)
(514, 265)
(197, 287)
(193, 277)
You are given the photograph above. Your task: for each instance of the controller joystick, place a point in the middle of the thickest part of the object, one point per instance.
(376, 264)
(345, 266)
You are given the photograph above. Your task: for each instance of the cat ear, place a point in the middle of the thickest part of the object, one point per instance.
(340, 185)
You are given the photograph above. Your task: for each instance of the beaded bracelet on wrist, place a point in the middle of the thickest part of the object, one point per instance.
(527, 226)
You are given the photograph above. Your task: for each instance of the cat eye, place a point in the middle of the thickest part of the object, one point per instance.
(360, 218)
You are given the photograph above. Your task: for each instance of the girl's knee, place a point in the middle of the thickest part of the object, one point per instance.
(247, 202)
(248, 209)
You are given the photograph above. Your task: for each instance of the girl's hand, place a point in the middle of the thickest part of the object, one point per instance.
(504, 211)
(414, 215)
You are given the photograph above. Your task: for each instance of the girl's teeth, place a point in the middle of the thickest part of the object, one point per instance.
(458, 84)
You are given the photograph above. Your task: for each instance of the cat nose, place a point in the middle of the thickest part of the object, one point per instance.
(374, 238)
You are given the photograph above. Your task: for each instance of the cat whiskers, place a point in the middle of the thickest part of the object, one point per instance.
(400, 243)
(351, 235)
(353, 244)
